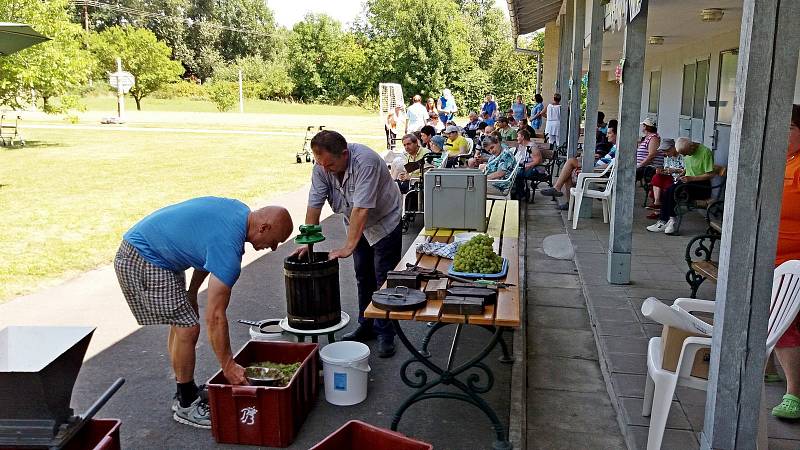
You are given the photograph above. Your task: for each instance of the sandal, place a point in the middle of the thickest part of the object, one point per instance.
(789, 408)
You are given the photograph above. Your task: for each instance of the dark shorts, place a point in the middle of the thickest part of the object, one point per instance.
(156, 296)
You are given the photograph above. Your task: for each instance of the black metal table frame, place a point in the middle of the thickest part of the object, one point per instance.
(471, 387)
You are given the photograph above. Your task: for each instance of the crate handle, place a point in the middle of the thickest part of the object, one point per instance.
(437, 182)
(470, 183)
(244, 391)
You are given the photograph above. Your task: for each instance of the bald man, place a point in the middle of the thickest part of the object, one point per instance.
(208, 235)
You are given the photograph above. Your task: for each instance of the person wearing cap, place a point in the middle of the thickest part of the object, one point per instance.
(455, 145)
(356, 183)
(668, 175)
(698, 171)
(648, 154)
(505, 132)
(417, 114)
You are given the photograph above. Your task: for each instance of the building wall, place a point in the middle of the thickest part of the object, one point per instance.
(552, 44)
(609, 95)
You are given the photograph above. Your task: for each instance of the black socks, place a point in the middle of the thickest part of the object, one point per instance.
(187, 393)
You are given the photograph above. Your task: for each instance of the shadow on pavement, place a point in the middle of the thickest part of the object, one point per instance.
(143, 404)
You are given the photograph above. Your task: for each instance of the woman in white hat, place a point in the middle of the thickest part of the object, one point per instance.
(648, 155)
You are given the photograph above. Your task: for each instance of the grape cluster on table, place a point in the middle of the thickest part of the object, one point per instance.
(477, 256)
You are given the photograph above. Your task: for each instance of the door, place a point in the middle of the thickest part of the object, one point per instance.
(692, 119)
(723, 111)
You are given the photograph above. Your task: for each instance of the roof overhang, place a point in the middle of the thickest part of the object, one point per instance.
(528, 16)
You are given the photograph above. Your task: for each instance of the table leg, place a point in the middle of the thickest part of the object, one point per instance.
(314, 338)
(470, 388)
(506, 358)
(331, 338)
(434, 328)
(301, 337)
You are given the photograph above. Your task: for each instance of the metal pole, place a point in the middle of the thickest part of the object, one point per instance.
(120, 93)
(630, 107)
(241, 96)
(768, 54)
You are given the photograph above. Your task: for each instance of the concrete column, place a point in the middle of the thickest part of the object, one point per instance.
(565, 62)
(578, 30)
(630, 104)
(768, 55)
(592, 95)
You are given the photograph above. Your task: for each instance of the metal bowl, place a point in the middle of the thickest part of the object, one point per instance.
(262, 376)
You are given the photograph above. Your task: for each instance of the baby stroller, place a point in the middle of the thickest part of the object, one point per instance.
(306, 152)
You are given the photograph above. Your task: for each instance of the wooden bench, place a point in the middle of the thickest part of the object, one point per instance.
(468, 378)
(684, 203)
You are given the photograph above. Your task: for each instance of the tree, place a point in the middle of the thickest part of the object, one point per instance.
(255, 32)
(56, 68)
(262, 79)
(142, 55)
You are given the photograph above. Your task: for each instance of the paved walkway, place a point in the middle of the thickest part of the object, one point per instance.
(568, 404)
(659, 269)
(95, 298)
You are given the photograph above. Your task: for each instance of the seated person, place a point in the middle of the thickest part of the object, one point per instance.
(648, 155)
(455, 145)
(531, 169)
(471, 128)
(498, 167)
(487, 119)
(602, 146)
(433, 120)
(698, 162)
(510, 118)
(413, 153)
(523, 125)
(665, 177)
(565, 181)
(427, 135)
(505, 132)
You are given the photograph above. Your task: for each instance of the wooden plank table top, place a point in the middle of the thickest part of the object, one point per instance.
(503, 226)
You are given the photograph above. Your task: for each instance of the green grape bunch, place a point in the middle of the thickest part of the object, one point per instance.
(477, 256)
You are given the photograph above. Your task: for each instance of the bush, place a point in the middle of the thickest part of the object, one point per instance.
(261, 79)
(182, 89)
(224, 94)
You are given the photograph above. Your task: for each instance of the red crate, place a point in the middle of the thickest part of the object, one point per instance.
(96, 434)
(357, 435)
(265, 415)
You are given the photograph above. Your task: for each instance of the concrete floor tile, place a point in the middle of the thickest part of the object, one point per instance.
(607, 301)
(784, 444)
(624, 363)
(614, 314)
(559, 317)
(560, 410)
(628, 385)
(632, 413)
(689, 396)
(559, 266)
(620, 329)
(546, 439)
(566, 343)
(652, 330)
(627, 344)
(565, 374)
(673, 439)
(572, 298)
(556, 280)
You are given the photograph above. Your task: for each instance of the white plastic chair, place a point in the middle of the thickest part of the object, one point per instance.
(661, 383)
(583, 188)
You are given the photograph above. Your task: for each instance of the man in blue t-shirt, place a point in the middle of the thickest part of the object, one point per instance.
(208, 235)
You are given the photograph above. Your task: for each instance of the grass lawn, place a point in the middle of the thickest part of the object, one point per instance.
(250, 106)
(69, 196)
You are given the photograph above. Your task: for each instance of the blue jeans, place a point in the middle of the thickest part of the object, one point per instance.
(371, 265)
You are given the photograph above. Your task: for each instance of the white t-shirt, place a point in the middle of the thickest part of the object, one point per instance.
(417, 115)
(553, 113)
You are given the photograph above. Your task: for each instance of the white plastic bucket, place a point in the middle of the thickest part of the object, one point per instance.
(346, 369)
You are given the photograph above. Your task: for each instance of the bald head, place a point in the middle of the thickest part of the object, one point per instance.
(269, 226)
(685, 146)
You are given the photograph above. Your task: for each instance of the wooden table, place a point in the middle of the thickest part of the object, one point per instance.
(503, 225)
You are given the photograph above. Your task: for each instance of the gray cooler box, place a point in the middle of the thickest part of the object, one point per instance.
(455, 198)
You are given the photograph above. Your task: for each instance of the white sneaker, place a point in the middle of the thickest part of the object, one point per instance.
(657, 227)
(197, 414)
(671, 226)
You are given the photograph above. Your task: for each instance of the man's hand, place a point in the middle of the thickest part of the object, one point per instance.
(686, 179)
(234, 373)
(343, 252)
(300, 252)
(402, 176)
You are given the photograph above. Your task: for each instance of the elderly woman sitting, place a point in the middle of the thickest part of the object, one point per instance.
(498, 167)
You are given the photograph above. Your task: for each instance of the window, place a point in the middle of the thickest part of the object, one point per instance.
(687, 99)
(655, 92)
(695, 87)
